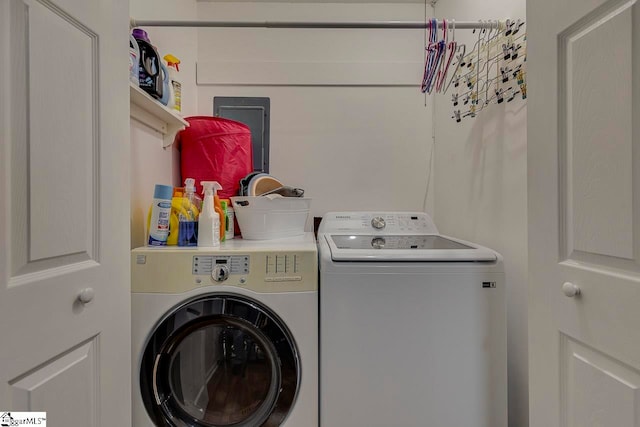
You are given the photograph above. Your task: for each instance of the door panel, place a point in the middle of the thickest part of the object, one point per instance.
(584, 199)
(53, 198)
(599, 391)
(596, 138)
(68, 140)
(64, 217)
(76, 373)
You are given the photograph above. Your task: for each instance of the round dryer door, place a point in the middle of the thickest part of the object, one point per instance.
(220, 360)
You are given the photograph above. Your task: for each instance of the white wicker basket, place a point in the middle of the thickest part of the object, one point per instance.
(270, 217)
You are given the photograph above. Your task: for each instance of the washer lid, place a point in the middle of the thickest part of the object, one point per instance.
(422, 247)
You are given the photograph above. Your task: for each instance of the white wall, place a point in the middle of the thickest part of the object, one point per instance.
(150, 163)
(350, 147)
(481, 190)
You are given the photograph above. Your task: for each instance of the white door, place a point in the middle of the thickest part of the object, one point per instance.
(584, 212)
(64, 211)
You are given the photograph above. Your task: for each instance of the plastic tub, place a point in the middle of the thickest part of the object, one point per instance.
(270, 217)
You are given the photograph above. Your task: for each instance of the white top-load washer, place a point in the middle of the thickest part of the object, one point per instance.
(412, 325)
(226, 336)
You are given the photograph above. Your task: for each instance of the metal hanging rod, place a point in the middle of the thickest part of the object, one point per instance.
(464, 25)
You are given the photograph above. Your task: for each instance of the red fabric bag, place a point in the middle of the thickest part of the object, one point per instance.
(215, 149)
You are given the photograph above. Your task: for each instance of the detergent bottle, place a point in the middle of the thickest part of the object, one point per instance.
(150, 76)
(218, 207)
(167, 90)
(173, 66)
(228, 219)
(209, 221)
(189, 215)
(174, 224)
(160, 215)
(134, 60)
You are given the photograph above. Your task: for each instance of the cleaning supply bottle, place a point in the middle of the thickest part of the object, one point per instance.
(150, 70)
(223, 206)
(167, 89)
(160, 215)
(209, 221)
(173, 66)
(218, 207)
(134, 60)
(228, 219)
(188, 218)
(174, 223)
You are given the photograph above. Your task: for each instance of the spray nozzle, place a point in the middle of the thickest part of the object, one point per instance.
(190, 185)
(172, 61)
(210, 187)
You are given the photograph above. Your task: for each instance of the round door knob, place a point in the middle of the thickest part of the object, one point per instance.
(378, 223)
(86, 295)
(570, 289)
(220, 273)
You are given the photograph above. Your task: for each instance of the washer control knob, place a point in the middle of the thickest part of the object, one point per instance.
(220, 273)
(378, 223)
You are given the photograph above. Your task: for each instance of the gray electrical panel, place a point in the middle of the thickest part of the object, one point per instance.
(253, 112)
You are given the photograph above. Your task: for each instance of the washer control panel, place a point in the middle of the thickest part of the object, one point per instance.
(383, 223)
(207, 264)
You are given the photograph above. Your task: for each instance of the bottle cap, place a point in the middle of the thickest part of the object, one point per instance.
(163, 192)
(172, 61)
(141, 34)
(190, 185)
(210, 187)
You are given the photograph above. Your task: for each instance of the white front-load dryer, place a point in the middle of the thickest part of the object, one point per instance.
(226, 336)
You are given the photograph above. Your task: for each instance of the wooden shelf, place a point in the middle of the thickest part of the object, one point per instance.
(152, 113)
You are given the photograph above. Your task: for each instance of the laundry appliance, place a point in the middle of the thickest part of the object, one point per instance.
(412, 325)
(226, 336)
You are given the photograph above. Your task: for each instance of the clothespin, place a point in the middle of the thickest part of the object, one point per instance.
(514, 51)
(456, 81)
(499, 95)
(505, 73)
(474, 98)
(523, 90)
(472, 111)
(517, 26)
(456, 115)
(460, 59)
(512, 93)
(506, 50)
(520, 77)
(466, 100)
(454, 99)
(470, 81)
(509, 27)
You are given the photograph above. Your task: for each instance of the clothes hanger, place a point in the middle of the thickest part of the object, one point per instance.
(430, 55)
(452, 51)
(455, 76)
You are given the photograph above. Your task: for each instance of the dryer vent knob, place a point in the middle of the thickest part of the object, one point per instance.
(220, 273)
